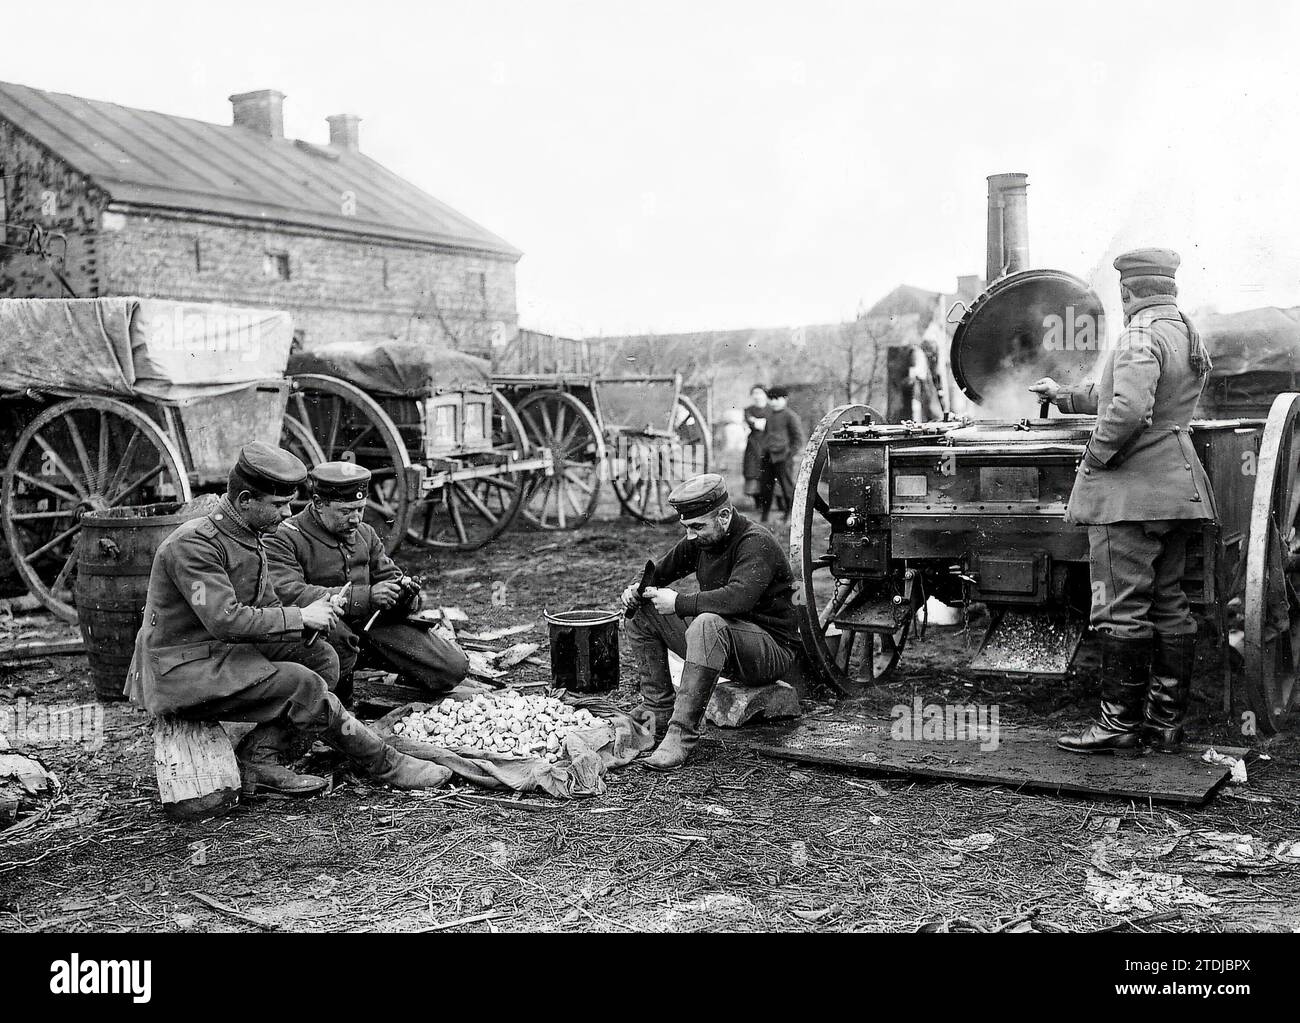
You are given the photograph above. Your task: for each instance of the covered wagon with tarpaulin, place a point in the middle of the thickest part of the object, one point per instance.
(448, 456)
(115, 402)
(1256, 355)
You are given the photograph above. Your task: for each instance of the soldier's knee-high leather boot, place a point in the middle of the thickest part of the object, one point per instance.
(688, 718)
(657, 699)
(380, 761)
(258, 754)
(1172, 664)
(1125, 674)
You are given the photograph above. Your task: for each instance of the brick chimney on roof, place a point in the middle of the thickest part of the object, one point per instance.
(344, 133)
(261, 111)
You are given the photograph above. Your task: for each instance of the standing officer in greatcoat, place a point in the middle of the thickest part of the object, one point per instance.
(1142, 493)
(327, 550)
(217, 644)
(741, 622)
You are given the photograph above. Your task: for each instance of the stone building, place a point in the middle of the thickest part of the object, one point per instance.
(118, 201)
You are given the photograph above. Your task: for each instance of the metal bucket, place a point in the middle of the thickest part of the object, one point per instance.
(584, 650)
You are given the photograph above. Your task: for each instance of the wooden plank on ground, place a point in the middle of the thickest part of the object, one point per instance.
(1025, 758)
(29, 651)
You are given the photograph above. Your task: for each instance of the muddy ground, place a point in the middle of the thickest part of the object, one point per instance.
(737, 842)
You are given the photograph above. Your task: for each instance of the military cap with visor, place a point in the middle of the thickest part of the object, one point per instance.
(699, 495)
(270, 470)
(1147, 263)
(340, 481)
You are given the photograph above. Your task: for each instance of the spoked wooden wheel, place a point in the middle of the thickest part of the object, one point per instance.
(297, 438)
(350, 426)
(647, 468)
(87, 454)
(1272, 598)
(842, 657)
(567, 498)
(467, 513)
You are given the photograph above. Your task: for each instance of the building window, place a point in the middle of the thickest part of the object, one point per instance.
(276, 266)
(385, 272)
(476, 284)
(198, 256)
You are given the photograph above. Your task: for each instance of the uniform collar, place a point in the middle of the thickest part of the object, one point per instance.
(229, 521)
(1147, 305)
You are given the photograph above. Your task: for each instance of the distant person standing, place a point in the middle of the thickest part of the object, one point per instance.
(782, 446)
(752, 464)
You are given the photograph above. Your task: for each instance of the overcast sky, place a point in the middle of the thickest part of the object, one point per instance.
(673, 166)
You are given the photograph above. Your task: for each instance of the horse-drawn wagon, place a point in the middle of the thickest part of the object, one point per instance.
(449, 457)
(112, 402)
(640, 433)
(457, 452)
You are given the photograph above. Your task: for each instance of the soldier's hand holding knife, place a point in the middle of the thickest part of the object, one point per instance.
(322, 614)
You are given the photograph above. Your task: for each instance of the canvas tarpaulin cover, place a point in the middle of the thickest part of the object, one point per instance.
(398, 369)
(1252, 341)
(127, 347)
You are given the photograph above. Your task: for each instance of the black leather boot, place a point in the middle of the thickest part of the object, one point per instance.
(260, 768)
(687, 720)
(1172, 664)
(657, 698)
(1125, 674)
(380, 761)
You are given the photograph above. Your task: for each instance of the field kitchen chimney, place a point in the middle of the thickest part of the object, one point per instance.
(344, 133)
(1008, 235)
(261, 111)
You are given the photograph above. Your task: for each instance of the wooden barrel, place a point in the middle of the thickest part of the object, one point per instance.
(114, 555)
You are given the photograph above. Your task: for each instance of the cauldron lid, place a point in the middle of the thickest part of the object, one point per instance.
(1031, 324)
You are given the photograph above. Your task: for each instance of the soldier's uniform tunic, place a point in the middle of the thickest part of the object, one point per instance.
(1140, 489)
(308, 562)
(217, 643)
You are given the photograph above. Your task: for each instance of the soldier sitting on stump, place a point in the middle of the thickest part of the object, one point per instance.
(326, 550)
(741, 624)
(218, 645)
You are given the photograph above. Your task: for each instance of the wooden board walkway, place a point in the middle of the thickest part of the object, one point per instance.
(1024, 758)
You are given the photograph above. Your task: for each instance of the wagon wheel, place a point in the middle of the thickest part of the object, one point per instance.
(350, 426)
(466, 514)
(87, 454)
(1272, 598)
(297, 438)
(653, 466)
(819, 594)
(568, 498)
